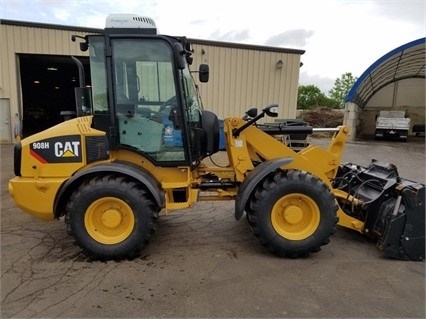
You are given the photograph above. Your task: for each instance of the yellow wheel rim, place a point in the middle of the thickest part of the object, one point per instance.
(295, 216)
(109, 220)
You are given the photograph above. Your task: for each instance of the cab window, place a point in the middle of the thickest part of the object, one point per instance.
(144, 88)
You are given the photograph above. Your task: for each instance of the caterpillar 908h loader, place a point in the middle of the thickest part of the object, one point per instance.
(137, 145)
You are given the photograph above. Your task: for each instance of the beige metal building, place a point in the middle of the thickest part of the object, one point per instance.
(37, 75)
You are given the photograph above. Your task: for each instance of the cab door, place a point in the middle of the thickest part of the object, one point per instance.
(148, 99)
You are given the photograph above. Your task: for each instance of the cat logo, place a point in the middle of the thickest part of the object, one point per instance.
(61, 149)
(67, 149)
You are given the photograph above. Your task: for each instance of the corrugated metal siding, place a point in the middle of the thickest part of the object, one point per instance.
(6, 62)
(17, 40)
(43, 41)
(244, 78)
(240, 78)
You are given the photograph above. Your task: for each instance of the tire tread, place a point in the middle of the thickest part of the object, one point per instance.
(131, 188)
(259, 198)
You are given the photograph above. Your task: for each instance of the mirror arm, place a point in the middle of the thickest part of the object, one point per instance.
(236, 132)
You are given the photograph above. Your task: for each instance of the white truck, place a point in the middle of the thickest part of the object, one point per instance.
(392, 124)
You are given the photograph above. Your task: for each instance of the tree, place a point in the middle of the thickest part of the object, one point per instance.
(309, 97)
(341, 88)
(329, 102)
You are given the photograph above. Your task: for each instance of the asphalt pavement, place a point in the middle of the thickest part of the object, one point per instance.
(204, 264)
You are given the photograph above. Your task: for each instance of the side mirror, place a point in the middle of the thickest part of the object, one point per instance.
(84, 46)
(180, 56)
(203, 73)
(271, 110)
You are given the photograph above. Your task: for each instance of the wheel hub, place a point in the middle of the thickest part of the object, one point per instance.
(111, 218)
(293, 214)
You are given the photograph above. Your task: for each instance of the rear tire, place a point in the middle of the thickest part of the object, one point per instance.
(292, 213)
(111, 217)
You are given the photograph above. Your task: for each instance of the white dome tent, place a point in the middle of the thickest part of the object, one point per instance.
(396, 81)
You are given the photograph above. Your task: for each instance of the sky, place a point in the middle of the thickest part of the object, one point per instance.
(338, 36)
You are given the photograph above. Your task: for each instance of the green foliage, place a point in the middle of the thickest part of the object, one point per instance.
(310, 97)
(341, 88)
(330, 103)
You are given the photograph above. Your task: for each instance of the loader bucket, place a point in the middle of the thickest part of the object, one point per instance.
(391, 208)
(404, 235)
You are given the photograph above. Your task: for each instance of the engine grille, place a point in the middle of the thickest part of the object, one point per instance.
(97, 148)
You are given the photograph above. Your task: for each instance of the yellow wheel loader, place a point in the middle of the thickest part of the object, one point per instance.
(137, 146)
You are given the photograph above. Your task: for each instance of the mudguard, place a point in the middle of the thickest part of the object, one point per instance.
(254, 177)
(124, 168)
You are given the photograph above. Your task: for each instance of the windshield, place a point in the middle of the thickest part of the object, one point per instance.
(191, 96)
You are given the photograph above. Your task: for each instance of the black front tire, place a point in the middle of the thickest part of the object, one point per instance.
(292, 213)
(111, 217)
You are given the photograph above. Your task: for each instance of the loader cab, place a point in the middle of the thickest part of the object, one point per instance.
(144, 96)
